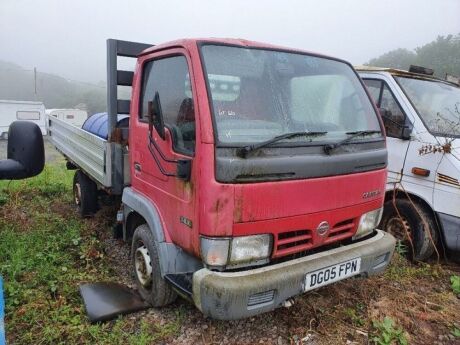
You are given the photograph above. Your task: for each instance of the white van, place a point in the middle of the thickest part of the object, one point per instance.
(75, 117)
(421, 114)
(21, 110)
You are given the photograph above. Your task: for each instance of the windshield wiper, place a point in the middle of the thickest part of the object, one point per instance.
(245, 150)
(330, 147)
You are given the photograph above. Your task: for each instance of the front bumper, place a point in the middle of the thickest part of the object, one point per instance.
(451, 231)
(236, 295)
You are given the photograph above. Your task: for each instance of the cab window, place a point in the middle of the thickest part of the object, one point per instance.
(170, 78)
(394, 118)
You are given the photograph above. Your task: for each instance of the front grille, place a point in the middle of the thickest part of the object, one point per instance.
(261, 297)
(347, 226)
(292, 241)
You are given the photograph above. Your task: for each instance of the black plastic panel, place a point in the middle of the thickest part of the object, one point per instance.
(285, 163)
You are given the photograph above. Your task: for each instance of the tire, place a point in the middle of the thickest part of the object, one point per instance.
(412, 221)
(85, 194)
(151, 286)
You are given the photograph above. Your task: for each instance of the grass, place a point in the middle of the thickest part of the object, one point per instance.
(45, 252)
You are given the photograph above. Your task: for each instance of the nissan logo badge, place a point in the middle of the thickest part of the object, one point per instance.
(322, 228)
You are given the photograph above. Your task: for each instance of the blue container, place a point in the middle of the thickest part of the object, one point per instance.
(97, 124)
(2, 314)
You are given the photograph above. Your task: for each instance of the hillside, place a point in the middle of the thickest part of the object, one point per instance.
(17, 83)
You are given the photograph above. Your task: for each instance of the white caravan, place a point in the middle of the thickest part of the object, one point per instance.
(21, 110)
(421, 114)
(75, 117)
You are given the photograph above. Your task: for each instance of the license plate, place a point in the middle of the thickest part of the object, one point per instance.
(331, 274)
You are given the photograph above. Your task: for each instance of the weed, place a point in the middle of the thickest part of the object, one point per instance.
(401, 248)
(455, 332)
(455, 281)
(387, 334)
(354, 317)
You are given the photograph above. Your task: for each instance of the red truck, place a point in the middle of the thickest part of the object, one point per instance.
(248, 173)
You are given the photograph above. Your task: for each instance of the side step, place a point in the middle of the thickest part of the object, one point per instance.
(182, 283)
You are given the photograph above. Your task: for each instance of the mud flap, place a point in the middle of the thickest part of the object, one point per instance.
(105, 301)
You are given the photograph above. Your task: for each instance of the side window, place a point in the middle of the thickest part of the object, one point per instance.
(374, 87)
(170, 78)
(394, 119)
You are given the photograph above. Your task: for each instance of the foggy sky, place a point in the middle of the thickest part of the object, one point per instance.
(68, 37)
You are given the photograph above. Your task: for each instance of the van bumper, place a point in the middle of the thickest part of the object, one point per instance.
(236, 295)
(451, 231)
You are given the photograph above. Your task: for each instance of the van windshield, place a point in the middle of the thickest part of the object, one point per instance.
(257, 94)
(437, 103)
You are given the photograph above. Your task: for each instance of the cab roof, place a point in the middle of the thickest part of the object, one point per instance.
(401, 73)
(192, 42)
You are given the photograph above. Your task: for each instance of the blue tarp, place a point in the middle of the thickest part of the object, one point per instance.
(2, 315)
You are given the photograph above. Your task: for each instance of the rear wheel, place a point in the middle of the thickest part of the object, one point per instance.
(412, 225)
(85, 194)
(146, 268)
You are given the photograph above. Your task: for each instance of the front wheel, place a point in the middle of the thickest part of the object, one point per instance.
(413, 224)
(146, 268)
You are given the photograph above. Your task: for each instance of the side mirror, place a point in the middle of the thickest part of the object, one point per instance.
(184, 169)
(26, 152)
(406, 132)
(155, 116)
(396, 128)
(384, 113)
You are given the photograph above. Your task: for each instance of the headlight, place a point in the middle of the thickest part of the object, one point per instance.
(368, 223)
(236, 251)
(250, 248)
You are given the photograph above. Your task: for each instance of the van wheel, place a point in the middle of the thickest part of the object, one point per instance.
(85, 194)
(146, 268)
(411, 225)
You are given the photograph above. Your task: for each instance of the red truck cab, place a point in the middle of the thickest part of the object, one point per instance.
(257, 173)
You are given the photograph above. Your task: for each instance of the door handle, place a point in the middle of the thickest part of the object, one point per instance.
(137, 167)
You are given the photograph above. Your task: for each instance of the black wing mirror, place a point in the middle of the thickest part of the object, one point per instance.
(395, 128)
(406, 132)
(155, 116)
(26, 152)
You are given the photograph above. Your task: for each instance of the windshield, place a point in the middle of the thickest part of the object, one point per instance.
(258, 94)
(437, 103)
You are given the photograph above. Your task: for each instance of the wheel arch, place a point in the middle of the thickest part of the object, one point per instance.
(133, 220)
(420, 201)
(137, 210)
(401, 194)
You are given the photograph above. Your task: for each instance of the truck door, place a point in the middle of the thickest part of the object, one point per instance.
(153, 159)
(394, 122)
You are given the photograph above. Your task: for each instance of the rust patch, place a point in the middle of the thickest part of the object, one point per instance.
(238, 213)
(216, 210)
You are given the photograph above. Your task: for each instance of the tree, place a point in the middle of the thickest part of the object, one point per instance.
(399, 58)
(442, 55)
